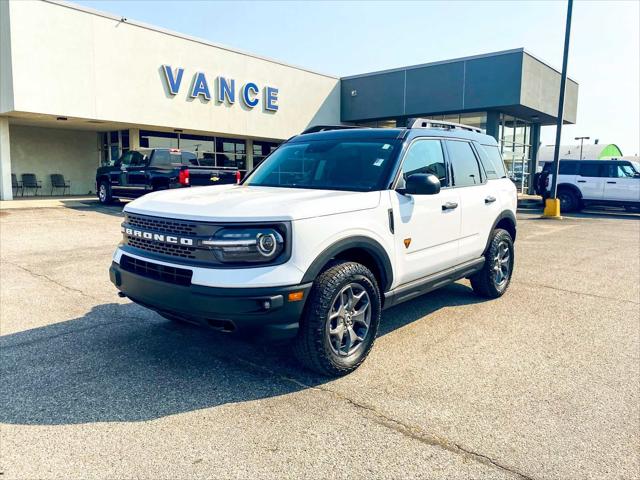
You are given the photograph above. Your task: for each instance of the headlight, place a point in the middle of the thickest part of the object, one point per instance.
(246, 245)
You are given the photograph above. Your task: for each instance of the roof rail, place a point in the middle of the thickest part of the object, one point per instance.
(324, 128)
(429, 123)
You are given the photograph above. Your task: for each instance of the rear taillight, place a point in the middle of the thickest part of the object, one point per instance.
(238, 176)
(183, 177)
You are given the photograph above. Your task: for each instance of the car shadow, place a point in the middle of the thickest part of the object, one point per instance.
(124, 363)
(114, 209)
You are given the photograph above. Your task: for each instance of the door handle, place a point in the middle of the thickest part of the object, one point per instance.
(611, 182)
(449, 206)
(582, 181)
(490, 199)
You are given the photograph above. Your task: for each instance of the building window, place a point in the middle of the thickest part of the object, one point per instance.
(211, 151)
(112, 145)
(385, 123)
(261, 150)
(514, 136)
(149, 139)
(473, 119)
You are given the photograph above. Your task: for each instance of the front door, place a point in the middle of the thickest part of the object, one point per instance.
(136, 179)
(119, 175)
(427, 227)
(621, 184)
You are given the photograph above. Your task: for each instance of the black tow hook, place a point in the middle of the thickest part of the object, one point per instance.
(121, 294)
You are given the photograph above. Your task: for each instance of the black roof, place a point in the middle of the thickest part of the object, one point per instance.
(352, 133)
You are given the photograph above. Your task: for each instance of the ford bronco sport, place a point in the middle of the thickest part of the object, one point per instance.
(333, 227)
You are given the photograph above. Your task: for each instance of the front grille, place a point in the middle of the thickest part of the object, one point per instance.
(161, 224)
(177, 276)
(163, 248)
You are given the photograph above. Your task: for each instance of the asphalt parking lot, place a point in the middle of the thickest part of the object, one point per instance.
(542, 383)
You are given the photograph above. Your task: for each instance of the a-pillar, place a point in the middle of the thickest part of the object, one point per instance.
(6, 191)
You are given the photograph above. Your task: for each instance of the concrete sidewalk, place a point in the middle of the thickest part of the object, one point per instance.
(48, 202)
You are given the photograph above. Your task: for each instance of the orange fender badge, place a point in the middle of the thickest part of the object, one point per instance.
(407, 242)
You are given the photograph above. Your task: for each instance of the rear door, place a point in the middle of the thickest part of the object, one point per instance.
(591, 179)
(479, 199)
(621, 183)
(426, 227)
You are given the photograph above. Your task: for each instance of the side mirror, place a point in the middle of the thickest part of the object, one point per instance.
(422, 184)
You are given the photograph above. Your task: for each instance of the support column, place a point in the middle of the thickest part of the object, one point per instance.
(533, 155)
(134, 138)
(249, 147)
(6, 192)
(493, 124)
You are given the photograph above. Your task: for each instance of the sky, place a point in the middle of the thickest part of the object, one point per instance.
(345, 38)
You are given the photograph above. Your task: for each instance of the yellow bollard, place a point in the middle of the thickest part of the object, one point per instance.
(551, 208)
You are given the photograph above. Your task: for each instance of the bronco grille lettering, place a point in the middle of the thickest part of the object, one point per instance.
(157, 237)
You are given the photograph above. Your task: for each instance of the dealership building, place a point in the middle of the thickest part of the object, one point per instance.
(79, 87)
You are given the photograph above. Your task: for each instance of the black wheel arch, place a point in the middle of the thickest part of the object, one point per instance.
(572, 188)
(507, 221)
(359, 249)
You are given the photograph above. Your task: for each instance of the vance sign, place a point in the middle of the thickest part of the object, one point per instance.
(225, 89)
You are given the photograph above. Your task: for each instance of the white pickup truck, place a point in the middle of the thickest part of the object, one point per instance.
(334, 226)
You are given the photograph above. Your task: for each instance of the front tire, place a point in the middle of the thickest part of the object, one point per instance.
(340, 321)
(104, 193)
(494, 278)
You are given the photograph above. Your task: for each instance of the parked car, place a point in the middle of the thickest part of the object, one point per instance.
(592, 182)
(331, 228)
(138, 172)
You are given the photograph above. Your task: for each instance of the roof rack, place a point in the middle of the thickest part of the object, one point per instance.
(429, 123)
(325, 128)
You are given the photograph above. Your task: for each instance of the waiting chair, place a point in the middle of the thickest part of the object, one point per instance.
(15, 184)
(58, 181)
(29, 180)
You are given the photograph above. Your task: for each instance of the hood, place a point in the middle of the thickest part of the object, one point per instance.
(249, 203)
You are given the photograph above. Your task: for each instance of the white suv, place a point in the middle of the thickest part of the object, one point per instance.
(593, 182)
(334, 226)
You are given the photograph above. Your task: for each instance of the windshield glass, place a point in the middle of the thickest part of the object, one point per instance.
(636, 165)
(344, 164)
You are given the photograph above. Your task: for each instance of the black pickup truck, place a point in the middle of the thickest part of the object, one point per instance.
(146, 170)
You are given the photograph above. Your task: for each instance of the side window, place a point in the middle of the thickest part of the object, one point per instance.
(137, 159)
(492, 161)
(568, 168)
(466, 171)
(424, 156)
(621, 170)
(126, 159)
(592, 169)
(165, 157)
(189, 158)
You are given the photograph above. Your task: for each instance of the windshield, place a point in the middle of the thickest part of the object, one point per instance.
(636, 165)
(344, 164)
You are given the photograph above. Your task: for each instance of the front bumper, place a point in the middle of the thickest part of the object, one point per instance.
(266, 309)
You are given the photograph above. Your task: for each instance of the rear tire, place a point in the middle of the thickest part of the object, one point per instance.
(104, 193)
(340, 321)
(494, 278)
(569, 200)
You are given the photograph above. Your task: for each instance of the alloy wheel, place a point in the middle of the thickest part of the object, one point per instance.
(502, 264)
(349, 319)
